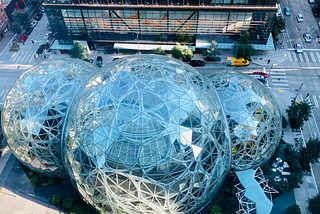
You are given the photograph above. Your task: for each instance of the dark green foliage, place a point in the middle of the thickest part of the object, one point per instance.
(284, 122)
(184, 54)
(15, 28)
(216, 209)
(56, 200)
(78, 51)
(71, 205)
(21, 16)
(183, 38)
(314, 204)
(68, 202)
(309, 154)
(294, 209)
(244, 48)
(279, 24)
(34, 181)
(42, 48)
(298, 113)
(158, 51)
(34, 3)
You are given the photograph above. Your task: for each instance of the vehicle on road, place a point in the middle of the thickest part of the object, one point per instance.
(299, 17)
(42, 9)
(232, 61)
(48, 35)
(298, 48)
(197, 60)
(261, 73)
(33, 24)
(29, 31)
(23, 38)
(311, 1)
(38, 17)
(287, 11)
(99, 60)
(307, 37)
(259, 77)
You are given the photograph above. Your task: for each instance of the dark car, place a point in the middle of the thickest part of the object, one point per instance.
(23, 38)
(38, 17)
(29, 31)
(197, 60)
(99, 60)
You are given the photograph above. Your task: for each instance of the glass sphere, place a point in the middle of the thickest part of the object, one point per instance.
(34, 110)
(147, 134)
(253, 115)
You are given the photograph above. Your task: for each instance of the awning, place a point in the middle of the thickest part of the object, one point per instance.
(57, 46)
(125, 46)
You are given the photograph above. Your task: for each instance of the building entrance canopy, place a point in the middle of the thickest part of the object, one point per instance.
(146, 46)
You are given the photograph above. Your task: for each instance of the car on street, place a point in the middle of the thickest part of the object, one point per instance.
(33, 24)
(311, 1)
(299, 18)
(48, 35)
(42, 9)
(298, 48)
(307, 37)
(38, 17)
(29, 31)
(287, 11)
(261, 73)
(197, 60)
(23, 38)
(99, 60)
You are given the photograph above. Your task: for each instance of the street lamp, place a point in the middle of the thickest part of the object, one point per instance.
(294, 100)
(137, 39)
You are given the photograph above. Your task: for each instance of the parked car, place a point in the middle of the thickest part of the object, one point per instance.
(38, 17)
(307, 37)
(311, 1)
(287, 11)
(23, 38)
(197, 60)
(298, 48)
(42, 9)
(99, 60)
(300, 17)
(33, 24)
(315, 11)
(48, 35)
(29, 31)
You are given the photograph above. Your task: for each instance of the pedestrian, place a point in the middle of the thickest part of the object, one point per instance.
(23, 43)
(35, 56)
(32, 41)
(18, 168)
(44, 56)
(14, 169)
(268, 61)
(308, 95)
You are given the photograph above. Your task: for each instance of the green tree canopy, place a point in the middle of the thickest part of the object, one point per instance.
(216, 209)
(294, 209)
(244, 48)
(298, 113)
(314, 204)
(15, 28)
(279, 24)
(21, 16)
(158, 51)
(309, 154)
(78, 51)
(34, 3)
(183, 54)
(212, 51)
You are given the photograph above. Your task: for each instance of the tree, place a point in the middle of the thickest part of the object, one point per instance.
(55, 200)
(314, 204)
(183, 54)
(15, 28)
(216, 209)
(158, 51)
(21, 16)
(284, 122)
(243, 47)
(309, 154)
(34, 3)
(212, 51)
(68, 202)
(298, 113)
(293, 209)
(279, 24)
(78, 51)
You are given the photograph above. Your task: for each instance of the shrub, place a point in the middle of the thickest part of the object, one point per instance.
(42, 48)
(56, 199)
(158, 51)
(314, 204)
(284, 122)
(14, 47)
(294, 209)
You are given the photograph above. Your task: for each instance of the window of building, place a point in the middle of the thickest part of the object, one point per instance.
(1, 11)
(1, 22)
(5, 18)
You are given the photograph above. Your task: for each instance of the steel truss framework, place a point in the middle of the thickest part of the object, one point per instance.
(253, 115)
(34, 111)
(246, 206)
(147, 134)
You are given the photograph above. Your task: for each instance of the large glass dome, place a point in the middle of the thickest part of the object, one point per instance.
(147, 134)
(253, 115)
(34, 110)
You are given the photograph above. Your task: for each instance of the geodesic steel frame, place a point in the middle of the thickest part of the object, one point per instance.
(34, 111)
(253, 115)
(147, 134)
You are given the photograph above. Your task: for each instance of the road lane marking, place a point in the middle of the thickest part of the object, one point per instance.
(306, 56)
(14, 54)
(312, 57)
(289, 56)
(279, 80)
(295, 57)
(273, 73)
(278, 84)
(24, 56)
(315, 101)
(300, 57)
(279, 77)
(318, 56)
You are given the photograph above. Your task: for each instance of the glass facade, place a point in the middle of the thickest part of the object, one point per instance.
(160, 24)
(34, 110)
(253, 115)
(147, 134)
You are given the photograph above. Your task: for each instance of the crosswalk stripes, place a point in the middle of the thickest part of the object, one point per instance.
(289, 57)
(306, 56)
(24, 56)
(318, 56)
(300, 57)
(312, 57)
(315, 101)
(294, 57)
(279, 80)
